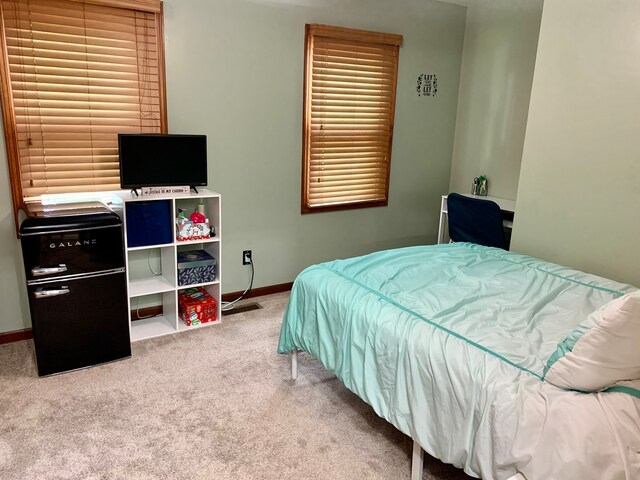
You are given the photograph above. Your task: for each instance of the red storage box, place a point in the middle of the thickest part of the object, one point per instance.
(196, 306)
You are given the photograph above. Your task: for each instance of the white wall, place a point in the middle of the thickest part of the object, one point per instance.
(234, 72)
(579, 190)
(499, 54)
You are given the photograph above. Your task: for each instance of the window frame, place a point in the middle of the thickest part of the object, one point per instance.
(353, 35)
(8, 110)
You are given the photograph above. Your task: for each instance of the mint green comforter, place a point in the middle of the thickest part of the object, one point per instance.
(437, 338)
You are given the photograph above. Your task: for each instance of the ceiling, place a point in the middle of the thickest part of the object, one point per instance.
(465, 3)
(472, 3)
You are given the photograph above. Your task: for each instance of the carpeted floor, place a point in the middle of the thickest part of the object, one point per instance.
(213, 403)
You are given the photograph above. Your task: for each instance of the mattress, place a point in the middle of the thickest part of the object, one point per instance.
(449, 344)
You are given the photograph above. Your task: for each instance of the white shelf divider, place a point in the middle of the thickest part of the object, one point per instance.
(195, 242)
(149, 247)
(149, 286)
(151, 327)
(183, 327)
(195, 285)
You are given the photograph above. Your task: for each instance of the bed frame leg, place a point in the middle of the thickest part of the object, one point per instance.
(417, 461)
(294, 365)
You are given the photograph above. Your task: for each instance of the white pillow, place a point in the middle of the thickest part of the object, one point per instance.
(601, 351)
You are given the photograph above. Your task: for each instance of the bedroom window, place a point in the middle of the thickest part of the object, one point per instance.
(349, 102)
(73, 75)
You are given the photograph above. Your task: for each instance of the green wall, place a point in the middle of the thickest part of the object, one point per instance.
(498, 60)
(234, 72)
(579, 189)
(14, 309)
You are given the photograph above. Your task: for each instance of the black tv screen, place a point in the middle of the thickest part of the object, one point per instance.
(157, 160)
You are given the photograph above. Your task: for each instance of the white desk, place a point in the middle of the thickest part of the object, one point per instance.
(507, 206)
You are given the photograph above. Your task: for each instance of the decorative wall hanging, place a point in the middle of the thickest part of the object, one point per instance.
(427, 85)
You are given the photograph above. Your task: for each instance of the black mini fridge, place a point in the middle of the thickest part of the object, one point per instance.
(74, 264)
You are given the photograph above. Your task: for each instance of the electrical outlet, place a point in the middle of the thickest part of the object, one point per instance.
(246, 257)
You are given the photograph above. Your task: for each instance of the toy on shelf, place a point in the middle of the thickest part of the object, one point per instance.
(196, 227)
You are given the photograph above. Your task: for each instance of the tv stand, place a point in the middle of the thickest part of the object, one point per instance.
(134, 191)
(193, 187)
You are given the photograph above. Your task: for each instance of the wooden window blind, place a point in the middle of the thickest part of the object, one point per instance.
(75, 74)
(349, 103)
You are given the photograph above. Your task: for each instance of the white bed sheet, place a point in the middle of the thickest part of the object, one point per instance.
(556, 434)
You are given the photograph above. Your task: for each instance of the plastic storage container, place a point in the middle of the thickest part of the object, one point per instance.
(149, 223)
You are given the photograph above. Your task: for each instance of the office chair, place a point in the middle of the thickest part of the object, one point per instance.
(476, 221)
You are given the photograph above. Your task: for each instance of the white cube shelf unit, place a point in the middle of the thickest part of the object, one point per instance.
(152, 270)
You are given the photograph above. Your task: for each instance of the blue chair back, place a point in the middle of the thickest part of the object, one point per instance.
(476, 221)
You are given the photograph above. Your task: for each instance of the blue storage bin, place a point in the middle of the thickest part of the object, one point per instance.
(149, 223)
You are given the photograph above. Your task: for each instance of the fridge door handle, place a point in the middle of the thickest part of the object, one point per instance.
(39, 271)
(51, 292)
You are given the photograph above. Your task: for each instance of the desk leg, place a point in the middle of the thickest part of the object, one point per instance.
(443, 220)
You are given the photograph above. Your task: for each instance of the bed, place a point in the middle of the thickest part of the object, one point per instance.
(454, 345)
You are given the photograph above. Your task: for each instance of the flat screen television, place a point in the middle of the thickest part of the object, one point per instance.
(162, 160)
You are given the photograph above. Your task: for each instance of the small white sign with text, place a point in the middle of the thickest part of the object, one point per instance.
(159, 191)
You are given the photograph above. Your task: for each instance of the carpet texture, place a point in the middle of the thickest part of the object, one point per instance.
(212, 403)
